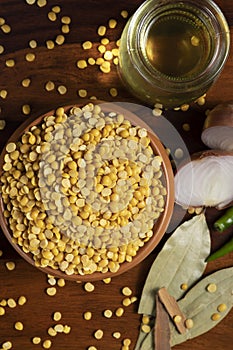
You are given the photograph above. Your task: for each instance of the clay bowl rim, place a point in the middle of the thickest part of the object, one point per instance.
(161, 224)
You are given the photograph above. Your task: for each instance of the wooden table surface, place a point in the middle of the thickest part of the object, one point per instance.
(30, 22)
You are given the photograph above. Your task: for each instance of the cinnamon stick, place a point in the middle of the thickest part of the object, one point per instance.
(173, 310)
(161, 328)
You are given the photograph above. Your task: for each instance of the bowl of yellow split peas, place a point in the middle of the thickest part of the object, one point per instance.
(86, 191)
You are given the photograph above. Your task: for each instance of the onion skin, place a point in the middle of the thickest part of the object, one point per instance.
(221, 115)
(217, 131)
(200, 156)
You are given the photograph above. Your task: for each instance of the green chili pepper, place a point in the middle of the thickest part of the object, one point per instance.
(225, 221)
(225, 249)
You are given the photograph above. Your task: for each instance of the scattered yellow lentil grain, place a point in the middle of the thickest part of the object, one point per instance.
(22, 300)
(157, 112)
(101, 30)
(32, 44)
(62, 89)
(126, 291)
(177, 318)
(133, 299)
(56, 9)
(82, 93)
(2, 127)
(11, 303)
(18, 326)
(98, 334)
(66, 20)
(61, 282)
(126, 342)
(115, 52)
(179, 153)
(65, 28)
(57, 316)
(2, 21)
(184, 107)
(104, 41)
(107, 280)
(118, 42)
(99, 61)
(26, 82)
(112, 23)
(146, 328)
(3, 302)
(116, 61)
(201, 100)
(91, 61)
(89, 287)
(87, 315)
(81, 64)
(47, 344)
(124, 14)
(189, 323)
(52, 16)
(49, 86)
(60, 39)
(36, 340)
(10, 63)
(105, 67)
(87, 45)
(126, 301)
(186, 127)
(59, 328)
(108, 55)
(51, 291)
(52, 281)
(3, 94)
(7, 345)
(116, 335)
(30, 57)
(145, 319)
(215, 317)
(222, 307)
(2, 311)
(6, 28)
(51, 331)
(26, 109)
(66, 329)
(30, 2)
(41, 3)
(10, 265)
(50, 44)
(119, 311)
(184, 286)
(91, 348)
(101, 48)
(211, 288)
(108, 313)
(1, 49)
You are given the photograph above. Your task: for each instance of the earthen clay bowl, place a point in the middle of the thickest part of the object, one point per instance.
(160, 225)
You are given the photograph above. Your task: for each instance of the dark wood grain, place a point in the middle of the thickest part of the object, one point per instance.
(59, 65)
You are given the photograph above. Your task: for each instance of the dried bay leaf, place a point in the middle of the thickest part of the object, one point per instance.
(200, 305)
(181, 261)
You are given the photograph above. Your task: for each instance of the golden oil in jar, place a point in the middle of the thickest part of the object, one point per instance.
(172, 51)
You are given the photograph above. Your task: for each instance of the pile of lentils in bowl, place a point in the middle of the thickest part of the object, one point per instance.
(82, 190)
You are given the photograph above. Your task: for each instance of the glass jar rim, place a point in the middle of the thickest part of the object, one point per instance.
(222, 44)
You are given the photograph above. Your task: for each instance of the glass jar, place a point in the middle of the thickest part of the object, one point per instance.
(172, 51)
